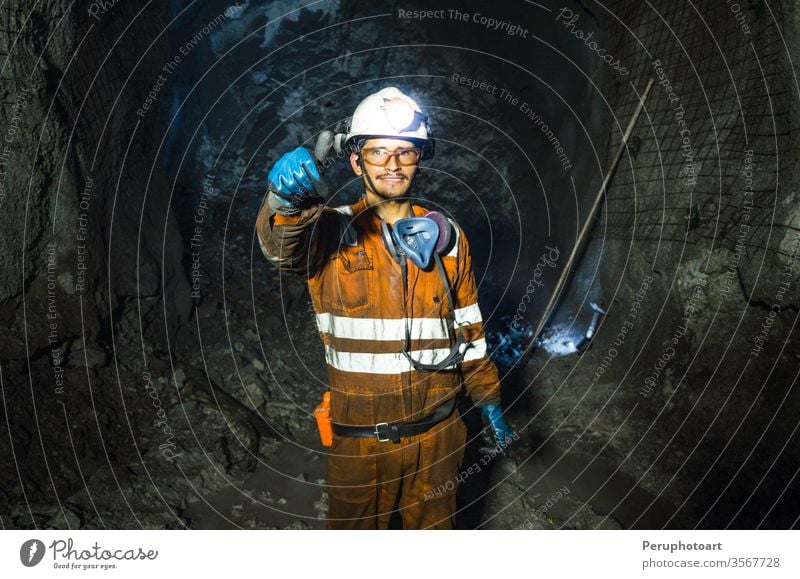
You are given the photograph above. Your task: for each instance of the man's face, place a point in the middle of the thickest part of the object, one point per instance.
(393, 180)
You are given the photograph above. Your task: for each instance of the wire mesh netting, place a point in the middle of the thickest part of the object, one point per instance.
(12, 20)
(705, 158)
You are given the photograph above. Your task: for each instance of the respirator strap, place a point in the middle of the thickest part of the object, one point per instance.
(457, 351)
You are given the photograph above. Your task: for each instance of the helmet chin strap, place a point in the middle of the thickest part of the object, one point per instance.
(370, 184)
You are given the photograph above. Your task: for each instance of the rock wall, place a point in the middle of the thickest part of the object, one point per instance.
(689, 381)
(92, 282)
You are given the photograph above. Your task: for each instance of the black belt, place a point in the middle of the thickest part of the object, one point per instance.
(385, 431)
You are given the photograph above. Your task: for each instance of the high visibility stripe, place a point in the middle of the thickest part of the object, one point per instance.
(347, 232)
(396, 363)
(384, 346)
(382, 329)
(476, 351)
(344, 210)
(454, 251)
(277, 260)
(468, 315)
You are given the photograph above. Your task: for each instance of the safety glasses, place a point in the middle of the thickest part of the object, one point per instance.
(380, 157)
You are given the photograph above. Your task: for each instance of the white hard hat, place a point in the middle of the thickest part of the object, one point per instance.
(392, 114)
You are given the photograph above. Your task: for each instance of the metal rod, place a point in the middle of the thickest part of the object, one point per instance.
(586, 227)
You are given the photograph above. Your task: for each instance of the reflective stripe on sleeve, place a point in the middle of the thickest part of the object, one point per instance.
(476, 351)
(454, 251)
(468, 315)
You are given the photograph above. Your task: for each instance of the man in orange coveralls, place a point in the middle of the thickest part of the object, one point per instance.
(397, 308)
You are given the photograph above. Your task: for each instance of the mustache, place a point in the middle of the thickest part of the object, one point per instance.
(393, 176)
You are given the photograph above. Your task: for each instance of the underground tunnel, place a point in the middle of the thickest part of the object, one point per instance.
(625, 174)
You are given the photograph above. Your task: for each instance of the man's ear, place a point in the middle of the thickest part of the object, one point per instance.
(354, 164)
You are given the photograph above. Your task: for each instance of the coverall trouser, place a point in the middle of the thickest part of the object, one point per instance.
(368, 479)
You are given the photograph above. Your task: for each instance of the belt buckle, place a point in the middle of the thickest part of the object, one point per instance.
(378, 434)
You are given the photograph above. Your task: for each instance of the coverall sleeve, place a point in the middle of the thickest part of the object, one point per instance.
(298, 243)
(481, 379)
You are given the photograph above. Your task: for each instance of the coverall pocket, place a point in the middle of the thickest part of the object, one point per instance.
(442, 457)
(352, 280)
(352, 470)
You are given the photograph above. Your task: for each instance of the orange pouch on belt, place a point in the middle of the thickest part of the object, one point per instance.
(323, 415)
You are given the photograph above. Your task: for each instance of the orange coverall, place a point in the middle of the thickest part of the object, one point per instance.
(356, 290)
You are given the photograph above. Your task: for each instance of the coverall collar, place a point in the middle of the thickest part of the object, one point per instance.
(361, 206)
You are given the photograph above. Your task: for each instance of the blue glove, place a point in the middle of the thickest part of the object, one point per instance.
(291, 177)
(503, 434)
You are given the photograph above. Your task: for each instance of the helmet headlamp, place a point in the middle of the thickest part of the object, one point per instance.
(399, 113)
